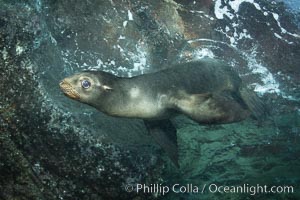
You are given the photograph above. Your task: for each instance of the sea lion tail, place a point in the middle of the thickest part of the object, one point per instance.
(255, 105)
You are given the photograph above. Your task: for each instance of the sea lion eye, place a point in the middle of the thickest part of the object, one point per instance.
(85, 84)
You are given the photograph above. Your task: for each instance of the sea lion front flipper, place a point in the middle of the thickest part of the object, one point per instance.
(164, 133)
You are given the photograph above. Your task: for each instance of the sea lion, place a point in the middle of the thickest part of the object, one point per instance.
(207, 91)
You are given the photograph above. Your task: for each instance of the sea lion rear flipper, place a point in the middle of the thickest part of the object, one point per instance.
(210, 108)
(255, 105)
(164, 133)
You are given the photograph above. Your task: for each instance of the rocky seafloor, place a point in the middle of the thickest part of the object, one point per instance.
(55, 148)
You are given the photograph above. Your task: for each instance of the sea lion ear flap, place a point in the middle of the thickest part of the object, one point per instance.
(106, 87)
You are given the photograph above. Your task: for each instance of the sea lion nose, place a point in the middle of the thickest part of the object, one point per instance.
(64, 85)
(68, 89)
(61, 83)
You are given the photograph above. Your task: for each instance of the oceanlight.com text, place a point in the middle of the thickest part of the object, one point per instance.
(209, 188)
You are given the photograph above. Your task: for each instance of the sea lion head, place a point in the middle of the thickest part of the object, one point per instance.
(86, 87)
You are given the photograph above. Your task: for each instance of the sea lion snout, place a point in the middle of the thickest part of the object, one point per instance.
(69, 90)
